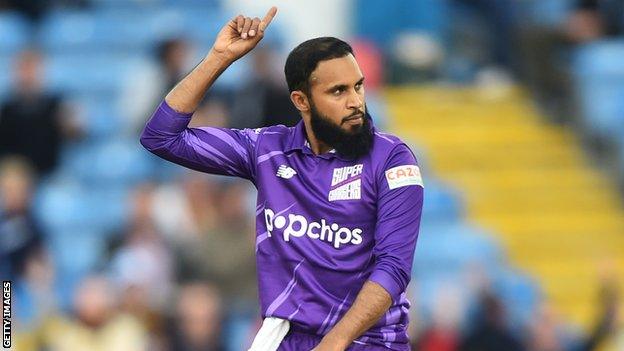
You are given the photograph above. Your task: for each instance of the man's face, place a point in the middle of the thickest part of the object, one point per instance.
(337, 107)
(337, 92)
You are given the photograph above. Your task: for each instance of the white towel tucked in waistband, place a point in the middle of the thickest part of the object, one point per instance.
(270, 335)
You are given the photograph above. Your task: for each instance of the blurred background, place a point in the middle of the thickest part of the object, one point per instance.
(514, 108)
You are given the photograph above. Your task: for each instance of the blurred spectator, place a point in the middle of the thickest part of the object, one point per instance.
(34, 123)
(225, 253)
(595, 19)
(207, 224)
(196, 325)
(547, 77)
(443, 333)
(196, 229)
(212, 112)
(36, 298)
(142, 265)
(490, 332)
(96, 323)
(546, 331)
(36, 288)
(20, 234)
(495, 21)
(609, 316)
(145, 88)
(545, 49)
(264, 99)
(186, 209)
(172, 55)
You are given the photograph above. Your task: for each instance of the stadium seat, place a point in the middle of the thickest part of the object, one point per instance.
(68, 206)
(63, 205)
(381, 20)
(133, 30)
(99, 114)
(549, 13)
(15, 32)
(428, 16)
(599, 73)
(83, 73)
(442, 203)
(520, 294)
(76, 254)
(111, 208)
(109, 162)
(446, 248)
(143, 5)
(79, 250)
(372, 15)
(202, 24)
(65, 30)
(120, 161)
(212, 4)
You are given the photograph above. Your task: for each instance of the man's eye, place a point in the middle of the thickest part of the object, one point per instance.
(358, 86)
(338, 91)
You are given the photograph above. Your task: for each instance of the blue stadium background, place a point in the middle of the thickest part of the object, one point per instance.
(90, 53)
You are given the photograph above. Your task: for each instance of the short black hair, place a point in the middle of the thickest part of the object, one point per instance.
(303, 59)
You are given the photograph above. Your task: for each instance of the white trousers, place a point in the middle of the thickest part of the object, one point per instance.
(270, 335)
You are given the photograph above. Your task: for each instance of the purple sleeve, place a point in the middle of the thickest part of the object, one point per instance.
(207, 149)
(399, 208)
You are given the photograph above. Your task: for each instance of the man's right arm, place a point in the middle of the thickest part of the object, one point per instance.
(207, 149)
(239, 36)
(188, 93)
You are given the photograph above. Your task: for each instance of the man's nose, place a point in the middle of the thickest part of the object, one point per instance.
(355, 101)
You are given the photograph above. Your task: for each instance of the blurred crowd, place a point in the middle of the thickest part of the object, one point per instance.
(177, 269)
(180, 269)
(565, 53)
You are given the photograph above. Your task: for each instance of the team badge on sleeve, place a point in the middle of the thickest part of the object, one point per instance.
(404, 176)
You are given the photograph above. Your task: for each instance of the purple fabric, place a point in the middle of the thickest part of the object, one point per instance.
(305, 342)
(324, 224)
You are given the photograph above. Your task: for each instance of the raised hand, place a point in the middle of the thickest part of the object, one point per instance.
(241, 34)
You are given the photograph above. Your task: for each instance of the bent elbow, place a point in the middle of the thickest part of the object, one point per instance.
(150, 141)
(146, 140)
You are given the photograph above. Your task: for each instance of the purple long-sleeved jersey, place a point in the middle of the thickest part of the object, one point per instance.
(324, 224)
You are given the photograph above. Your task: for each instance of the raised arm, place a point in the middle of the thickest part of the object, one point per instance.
(207, 149)
(235, 39)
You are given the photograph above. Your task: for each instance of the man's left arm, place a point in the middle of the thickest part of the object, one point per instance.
(399, 208)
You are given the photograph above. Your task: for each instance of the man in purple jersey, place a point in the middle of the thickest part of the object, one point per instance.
(339, 203)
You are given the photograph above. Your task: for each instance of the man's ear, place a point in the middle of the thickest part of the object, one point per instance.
(300, 100)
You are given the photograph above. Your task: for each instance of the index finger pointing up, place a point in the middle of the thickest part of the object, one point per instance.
(267, 19)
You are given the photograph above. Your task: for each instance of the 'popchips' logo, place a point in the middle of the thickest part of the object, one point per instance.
(295, 225)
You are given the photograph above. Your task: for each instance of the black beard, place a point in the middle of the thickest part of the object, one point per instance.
(350, 145)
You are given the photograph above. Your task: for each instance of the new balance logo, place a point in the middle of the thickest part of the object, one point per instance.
(285, 172)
